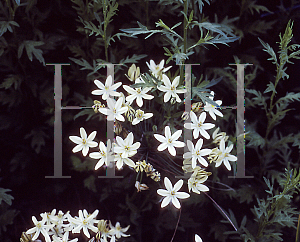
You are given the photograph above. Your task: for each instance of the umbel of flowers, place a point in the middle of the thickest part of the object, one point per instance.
(62, 227)
(158, 86)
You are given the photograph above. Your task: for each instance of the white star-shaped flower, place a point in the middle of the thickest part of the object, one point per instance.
(115, 110)
(108, 89)
(83, 142)
(65, 238)
(126, 146)
(196, 153)
(196, 186)
(212, 109)
(169, 141)
(170, 89)
(138, 93)
(40, 227)
(120, 161)
(118, 231)
(104, 154)
(140, 116)
(84, 221)
(198, 125)
(171, 193)
(157, 70)
(225, 156)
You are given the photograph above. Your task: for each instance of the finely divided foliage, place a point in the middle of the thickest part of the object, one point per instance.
(158, 132)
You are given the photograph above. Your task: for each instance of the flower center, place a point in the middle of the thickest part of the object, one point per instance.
(172, 193)
(138, 91)
(170, 141)
(172, 88)
(197, 152)
(199, 124)
(84, 141)
(84, 222)
(126, 148)
(38, 225)
(114, 110)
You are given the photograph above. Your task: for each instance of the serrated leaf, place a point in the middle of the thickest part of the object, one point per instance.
(31, 50)
(269, 50)
(11, 80)
(270, 88)
(5, 197)
(6, 25)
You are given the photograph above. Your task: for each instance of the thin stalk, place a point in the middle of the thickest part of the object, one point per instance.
(185, 23)
(104, 30)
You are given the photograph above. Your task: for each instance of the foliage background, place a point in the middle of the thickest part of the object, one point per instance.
(51, 32)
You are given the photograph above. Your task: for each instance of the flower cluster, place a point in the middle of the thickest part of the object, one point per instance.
(158, 88)
(57, 227)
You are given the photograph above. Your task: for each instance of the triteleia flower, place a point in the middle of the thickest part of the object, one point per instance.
(212, 109)
(115, 110)
(84, 222)
(169, 141)
(198, 125)
(126, 146)
(157, 70)
(40, 227)
(118, 231)
(196, 153)
(224, 156)
(138, 93)
(171, 193)
(140, 116)
(170, 89)
(83, 142)
(108, 89)
(104, 154)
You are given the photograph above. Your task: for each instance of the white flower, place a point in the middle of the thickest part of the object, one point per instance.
(115, 109)
(40, 227)
(198, 125)
(138, 93)
(194, 182)
(84, 222)
(212, 109)
(126, 146)
(170, 89)
(65, 238)
(157, 70)
(108, 89)
(169, 141)
(196, 186)
(224, 155)
(196, 153)
(171, 193)
(120, 161)
(104, 154)
(140, 116)
(83, 142)
(197, 238)
(118, 231)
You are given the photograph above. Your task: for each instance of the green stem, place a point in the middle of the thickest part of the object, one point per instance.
(104, 30)
(185, 23)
